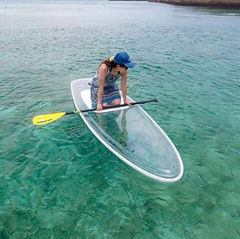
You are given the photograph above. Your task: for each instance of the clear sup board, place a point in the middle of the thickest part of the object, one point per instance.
(132, 135)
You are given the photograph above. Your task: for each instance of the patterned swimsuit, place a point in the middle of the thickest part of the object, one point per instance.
(110, 89)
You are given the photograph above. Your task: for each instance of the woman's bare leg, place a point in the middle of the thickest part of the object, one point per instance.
(116, 102)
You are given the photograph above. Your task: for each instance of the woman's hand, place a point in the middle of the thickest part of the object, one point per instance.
(127, 102)
(99, 107)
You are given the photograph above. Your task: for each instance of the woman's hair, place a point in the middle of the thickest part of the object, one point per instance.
(109, 62)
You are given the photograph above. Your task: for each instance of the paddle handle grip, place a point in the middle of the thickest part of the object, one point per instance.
(113, 106)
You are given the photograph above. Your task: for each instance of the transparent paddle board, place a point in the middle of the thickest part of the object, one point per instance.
(132, 135)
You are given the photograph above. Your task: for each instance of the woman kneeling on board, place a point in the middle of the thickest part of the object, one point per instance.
(104, 89)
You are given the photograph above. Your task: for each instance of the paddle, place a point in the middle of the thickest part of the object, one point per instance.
(48, 118)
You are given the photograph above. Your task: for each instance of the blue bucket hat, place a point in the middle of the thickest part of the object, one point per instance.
(123, 59)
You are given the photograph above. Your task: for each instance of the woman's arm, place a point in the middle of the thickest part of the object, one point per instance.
(101, 78)
(124, 86)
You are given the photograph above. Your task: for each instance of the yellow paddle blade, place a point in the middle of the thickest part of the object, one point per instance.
(46, 119)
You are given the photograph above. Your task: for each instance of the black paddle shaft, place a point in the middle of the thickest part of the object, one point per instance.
(114, 106)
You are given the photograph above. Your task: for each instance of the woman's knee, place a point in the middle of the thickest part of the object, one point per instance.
(116, 102)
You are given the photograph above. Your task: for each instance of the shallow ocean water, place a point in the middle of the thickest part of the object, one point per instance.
(58, 180)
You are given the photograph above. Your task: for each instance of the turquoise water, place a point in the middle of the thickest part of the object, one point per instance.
(58, 180)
